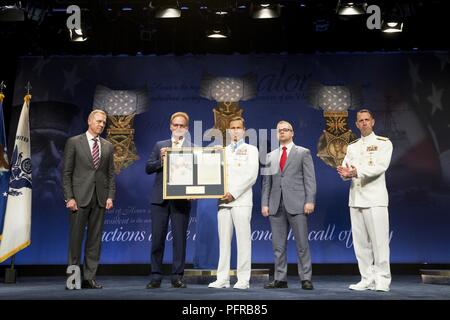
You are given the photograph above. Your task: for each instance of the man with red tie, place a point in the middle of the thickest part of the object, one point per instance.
(89, 189)
(288, 197)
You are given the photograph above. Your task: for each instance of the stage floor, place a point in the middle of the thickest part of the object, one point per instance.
(133, 288)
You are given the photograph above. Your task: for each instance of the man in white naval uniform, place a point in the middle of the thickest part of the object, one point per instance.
(235, 208)
(366, 162)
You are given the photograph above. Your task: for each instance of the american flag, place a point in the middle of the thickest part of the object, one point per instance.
(430, 80)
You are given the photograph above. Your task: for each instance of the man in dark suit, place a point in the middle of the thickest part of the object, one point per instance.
(163, 210)
(288, 197)
(89, 188)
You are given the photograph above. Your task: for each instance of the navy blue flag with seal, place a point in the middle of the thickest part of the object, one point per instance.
(16, 234)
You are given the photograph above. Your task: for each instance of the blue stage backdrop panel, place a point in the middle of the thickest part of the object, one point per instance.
(408, 92)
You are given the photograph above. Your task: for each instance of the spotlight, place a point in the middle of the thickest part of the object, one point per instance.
(216, 34)
(166, 9)
(392, 27)
(218, 31)
(221, 7)
(77, 35)
(351, 8)
(217, 28)
(12, 13)
(221, 12)
(265, 11)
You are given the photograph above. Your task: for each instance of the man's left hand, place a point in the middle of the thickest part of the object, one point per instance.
(347, 171)
(109, 204)
(308, 208)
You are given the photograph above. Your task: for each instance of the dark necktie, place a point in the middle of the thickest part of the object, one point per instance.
(283, 159)
(95, 153)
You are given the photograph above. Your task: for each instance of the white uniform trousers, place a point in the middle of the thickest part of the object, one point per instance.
(370, 229)
(239, 217)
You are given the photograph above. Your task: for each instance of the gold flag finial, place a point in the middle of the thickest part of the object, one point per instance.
(2, 87)
(27, 97)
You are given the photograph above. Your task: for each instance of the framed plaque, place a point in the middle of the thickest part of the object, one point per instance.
(194, 173)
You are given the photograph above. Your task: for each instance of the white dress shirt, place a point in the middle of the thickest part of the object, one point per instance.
(180, 142)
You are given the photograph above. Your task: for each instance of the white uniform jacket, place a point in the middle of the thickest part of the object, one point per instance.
(370, 156)
(242, 172)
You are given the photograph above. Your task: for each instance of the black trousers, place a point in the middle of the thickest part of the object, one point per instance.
(92, 216)
(178, 213)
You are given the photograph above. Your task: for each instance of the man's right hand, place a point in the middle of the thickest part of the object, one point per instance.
(72, 205)
(265, 211)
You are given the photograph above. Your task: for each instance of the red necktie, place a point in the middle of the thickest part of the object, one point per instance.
(283, 159)
(95, 154)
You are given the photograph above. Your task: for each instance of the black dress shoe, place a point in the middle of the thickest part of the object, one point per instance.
(276, 285)
(178, 284)
(307, 285)
(154, 284)
(90, 284)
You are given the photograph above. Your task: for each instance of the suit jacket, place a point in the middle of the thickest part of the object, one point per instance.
(242, 172)
(79, 175)
(154, 165)
(297, 182)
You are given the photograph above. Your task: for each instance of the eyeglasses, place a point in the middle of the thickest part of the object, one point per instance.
(284, 130)
(177, 125)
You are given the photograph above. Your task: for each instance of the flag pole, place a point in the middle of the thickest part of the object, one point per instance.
(11, 273)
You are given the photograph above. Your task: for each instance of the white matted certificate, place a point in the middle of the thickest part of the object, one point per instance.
(194, 173)
(209, 168)
(181, 169)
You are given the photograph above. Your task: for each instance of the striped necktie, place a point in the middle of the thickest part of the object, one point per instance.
(95, 153)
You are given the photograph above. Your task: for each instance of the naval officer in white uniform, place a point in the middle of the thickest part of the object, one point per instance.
(235, 208)
(365, 163)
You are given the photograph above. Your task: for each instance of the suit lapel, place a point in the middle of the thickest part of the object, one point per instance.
(102, 152)
(167, 144)
(275, 159)
(291, 155)
(186, 143)
(86, 149)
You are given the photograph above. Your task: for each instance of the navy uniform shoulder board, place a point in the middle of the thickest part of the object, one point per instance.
(382, 138)
(353, 141)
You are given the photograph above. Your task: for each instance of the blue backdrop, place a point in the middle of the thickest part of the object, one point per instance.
(409, 94)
